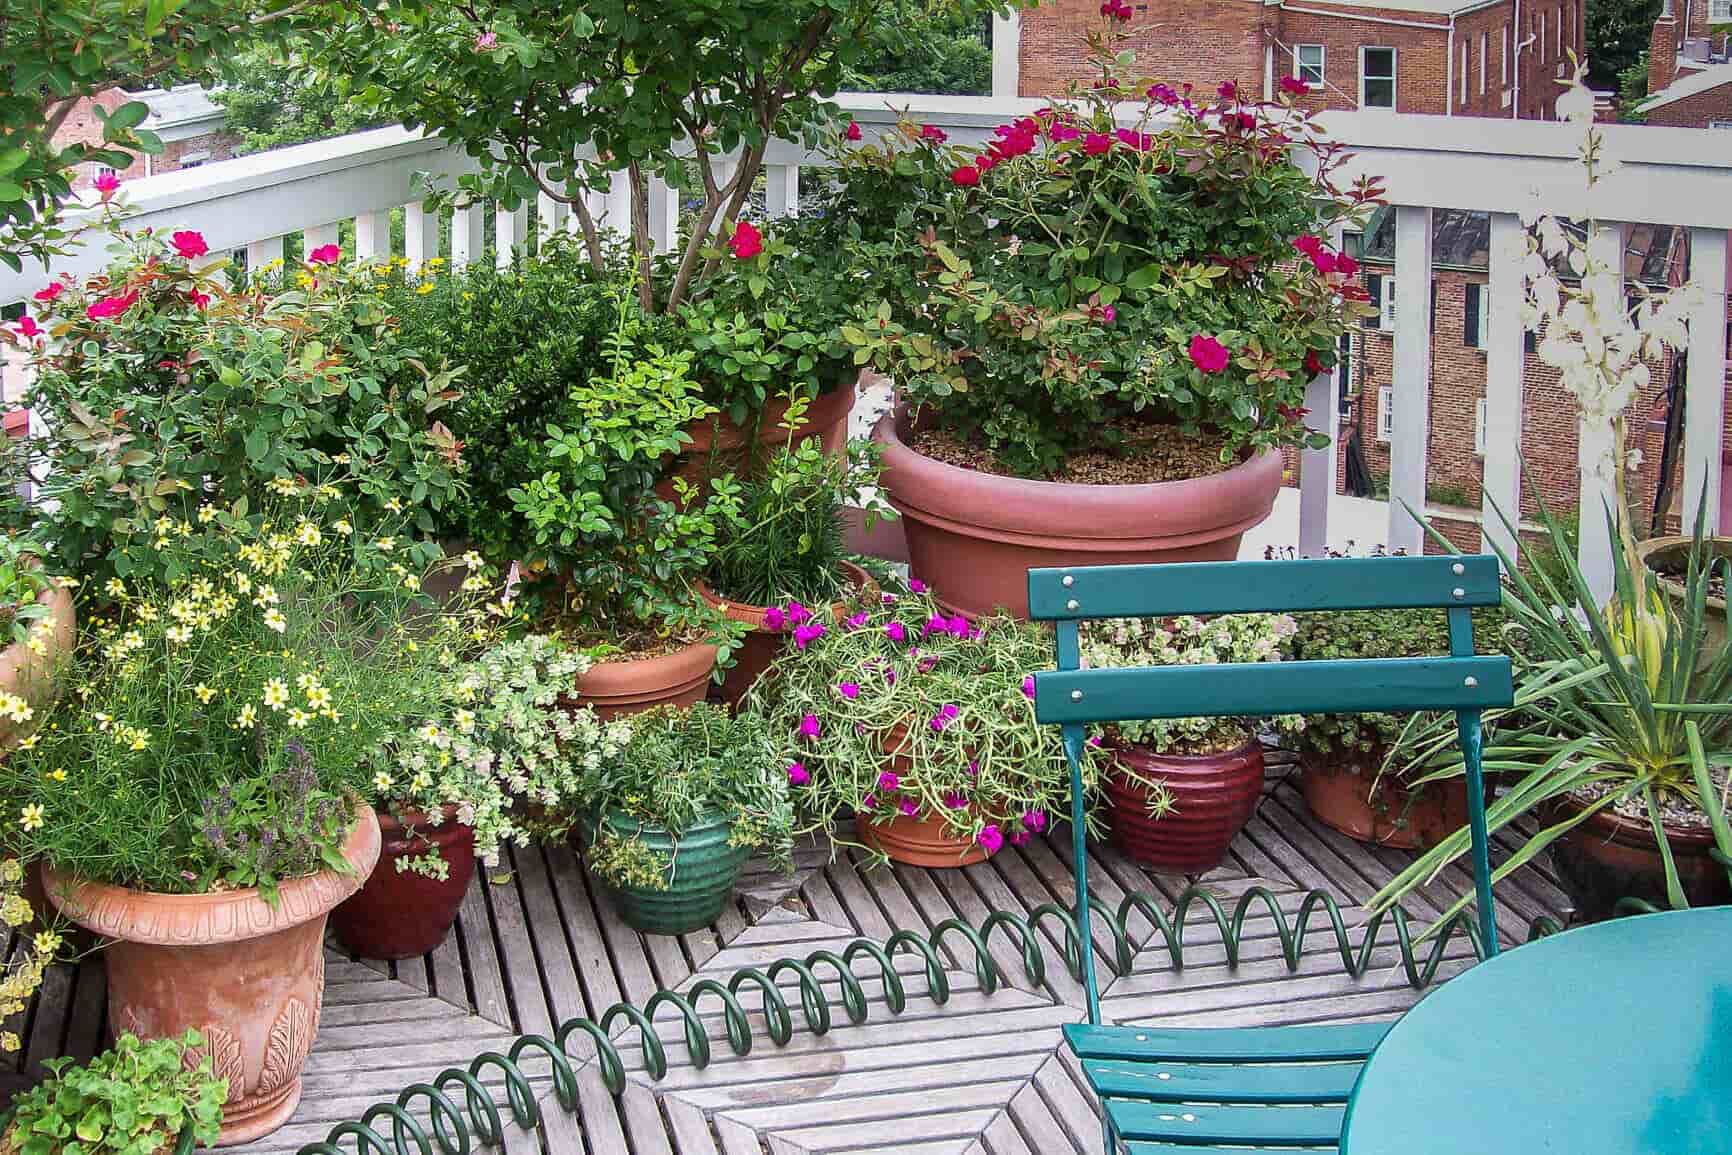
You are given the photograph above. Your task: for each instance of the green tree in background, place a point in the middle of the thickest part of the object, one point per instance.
(1618, 33)
(926, 46)
(272, 101)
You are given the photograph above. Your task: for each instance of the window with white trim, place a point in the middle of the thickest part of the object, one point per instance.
(1474, 314)
(1484, 44)
(1377, 78)
(1479, 408)
(1385, 413)
(1461, 84)
(1503, 57)
(1386, 302)
(1308, 64)
(1719, 10)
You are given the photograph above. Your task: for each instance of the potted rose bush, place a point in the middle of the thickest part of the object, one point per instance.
(459, 783)
(919, 726)
(1179, 790)
(195, 801)
(1100, 326)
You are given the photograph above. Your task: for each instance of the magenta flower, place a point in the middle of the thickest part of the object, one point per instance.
(1096, 143)
(747, 242)
(1108, 314)
(106, 183)
(855, 621)
(1021, 838)
(809, 726)
(888, 781)
(54, 289)
(915, 585)
(958, 626)
(870, 802)
(897, 631)
(1140, 141)
(111, 306)
(1062, 131)
(1034, 820)
(909, 807)
(798, 613)
(1095, 742)
(774, 619)
(1163, 94)
(1293, 86)
(325, 255)
(924, 665)
(889, 677)
(1208, 354)
(806, 634)
(852, 132)
(933, 133)
(991, 839)
(189, 244)
(1228, 90)
(965, 177)
(974, 769)
(849, 690)
(486, 41)
(936, 624)
(955, 800)
(28, 328)
(945, 716)
(1028, 687)
(797, 774)
(886, 599)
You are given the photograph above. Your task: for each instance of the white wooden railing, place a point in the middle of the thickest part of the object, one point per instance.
(1508, 169)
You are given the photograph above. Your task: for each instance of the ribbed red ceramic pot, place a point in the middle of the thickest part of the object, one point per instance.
(631, 685)
(1213, 795)
(973, 536)
(399, 913)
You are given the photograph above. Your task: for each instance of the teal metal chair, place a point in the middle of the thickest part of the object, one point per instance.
(1258, 1090)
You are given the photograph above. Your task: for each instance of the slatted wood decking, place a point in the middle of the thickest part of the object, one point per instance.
(980, 1075)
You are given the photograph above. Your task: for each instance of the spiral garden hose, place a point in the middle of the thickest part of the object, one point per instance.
(454, 1111)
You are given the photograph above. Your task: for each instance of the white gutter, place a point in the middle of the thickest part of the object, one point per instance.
(1449, 70)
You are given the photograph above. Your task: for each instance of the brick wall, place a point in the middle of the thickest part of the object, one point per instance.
(1421, 62)
(1696, 110)
(83, 127)
(1201, 42)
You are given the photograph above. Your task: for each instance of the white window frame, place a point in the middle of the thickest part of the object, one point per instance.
(1385, 413)
(1386, 303)
(1301, 69)
(1540, 43)
(1503, 72)
(1484, 51)
(1483, 291)
(1479, 414)
(1461, 84)
(1394, 74)
(1719, 11)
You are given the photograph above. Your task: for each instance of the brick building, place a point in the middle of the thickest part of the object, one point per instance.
(1690, 65)
(190, 123)
(1444, 57)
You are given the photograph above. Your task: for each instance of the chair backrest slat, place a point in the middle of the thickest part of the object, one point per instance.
(1227, 587)
(1268, 688)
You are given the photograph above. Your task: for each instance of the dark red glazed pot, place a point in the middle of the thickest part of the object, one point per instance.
(401, 914)
(1214, 795)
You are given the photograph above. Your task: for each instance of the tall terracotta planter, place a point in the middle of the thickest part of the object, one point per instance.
(631, 685)
(398, 913)
(249, 976)
(973, 536)
(1338, 788)
(1213, 795)
(32, 676)
(720, 446)
(1609, 857)
(762, 645)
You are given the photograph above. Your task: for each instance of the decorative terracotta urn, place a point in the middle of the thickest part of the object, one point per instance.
(631, 685)
(762, 645)
(973, 536)
(400, 913)
(1213, 796)
(249, 976)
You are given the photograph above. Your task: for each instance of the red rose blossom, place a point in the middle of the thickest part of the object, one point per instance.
(1096, 143)
(1208, 354)
(852, 132)
(746, 242)
(933, 133)
(54, 289)
(1293, 86)
(28, 328)
(967, 176)
(1228, 90)
(200, 300)
(189, 244)
(1313, 363)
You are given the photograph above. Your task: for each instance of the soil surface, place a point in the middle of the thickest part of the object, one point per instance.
(1149, 453)
(1674, 811)
(1716, 580)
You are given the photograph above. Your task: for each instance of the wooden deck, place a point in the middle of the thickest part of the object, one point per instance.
(980, 1075)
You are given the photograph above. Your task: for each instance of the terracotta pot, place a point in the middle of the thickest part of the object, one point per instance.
(400, 914)
(720, 446)
(919, 841)
(1609, 857)
(973, 536)
(1337, 787)
(32, 676)
(762, 645)
(631, 685)
(1214, 795)
(1673, 553)
(250, 977)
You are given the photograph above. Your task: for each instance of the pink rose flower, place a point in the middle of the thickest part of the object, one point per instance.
(1208, 354)
(111, 306)
(28, 328)
(852, 132)
(1096, 143)
(1131, 138)
(933, 133)
(1062, 131)
(189, 244)
(1293, 86)
(53, 290)
(325, 255)
(747, 242)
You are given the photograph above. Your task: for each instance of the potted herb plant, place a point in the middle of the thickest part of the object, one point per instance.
(1179, 790)
(779, 563)
(134, 1099)
(457, 785)
(1100, 326)
(919, 725)
(673, 817)
(196, 801)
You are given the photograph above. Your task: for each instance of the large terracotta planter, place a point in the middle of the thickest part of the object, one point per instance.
(1338, 788)
(1673, 553)
(631, 685)
(762, 645)
(700, 880)
(1609, 857)
(33, 676)
(1213, 795)
(720, 446)
(973, 536)
(250, 977)
(398, 913)
(921, 840)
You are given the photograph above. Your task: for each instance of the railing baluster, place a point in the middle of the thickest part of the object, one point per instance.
(1705, 397)
(420, 235)
(1596, 453)
(510, 233)
(1505, 355)
(664, 214)
(549, 215)
(466, 235)
(373, 236)
(1411, 420)
(782, 190)
(317, 237)
(1317, 466)
(260, 253)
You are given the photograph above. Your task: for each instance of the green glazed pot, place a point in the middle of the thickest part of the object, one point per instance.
(700, 879)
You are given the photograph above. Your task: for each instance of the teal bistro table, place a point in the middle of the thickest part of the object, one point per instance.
(1613, 1039)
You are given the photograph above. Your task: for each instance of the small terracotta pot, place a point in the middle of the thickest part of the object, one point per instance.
(720, 446)
(973, 536)
(1214, 795)
(762, 645)
(1338, 788)
(248, 976)
(33, 676)
(631, 685)
(398, 913)
(1609, 857)
(919, 841)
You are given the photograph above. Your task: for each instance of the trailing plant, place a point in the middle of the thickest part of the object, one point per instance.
(161, 388)
(134, 1099)
(22, 972)
(499, 746)
(23, 583)
(1125, 256)
(903, 709)
(685, 766)
(219, 724)
(786, 537)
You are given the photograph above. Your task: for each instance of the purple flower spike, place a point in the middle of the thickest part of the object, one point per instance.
(849, 690)
(991, 839)
(809, 726)
(797, 774)
(774, 619)
(887, 781)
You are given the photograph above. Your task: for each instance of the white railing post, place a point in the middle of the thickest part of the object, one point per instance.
(420, 235)
(1505, 358)
(549, 215)
(1006, 54)
(1410, 432)
(318, 237)
(1597, 455)
(263, 252)
(468, 231)
(664, 215)
(1705, 385)
(782, 191)
(614, 213)
(373, 236)
(510, 233)
(1317, 466)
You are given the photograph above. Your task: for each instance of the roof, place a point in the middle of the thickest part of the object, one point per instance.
(1462, 240)
(1427, 7)
(184, 104)
(1689, 84)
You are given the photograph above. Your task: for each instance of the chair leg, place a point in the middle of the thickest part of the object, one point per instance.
(1110, 1133)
